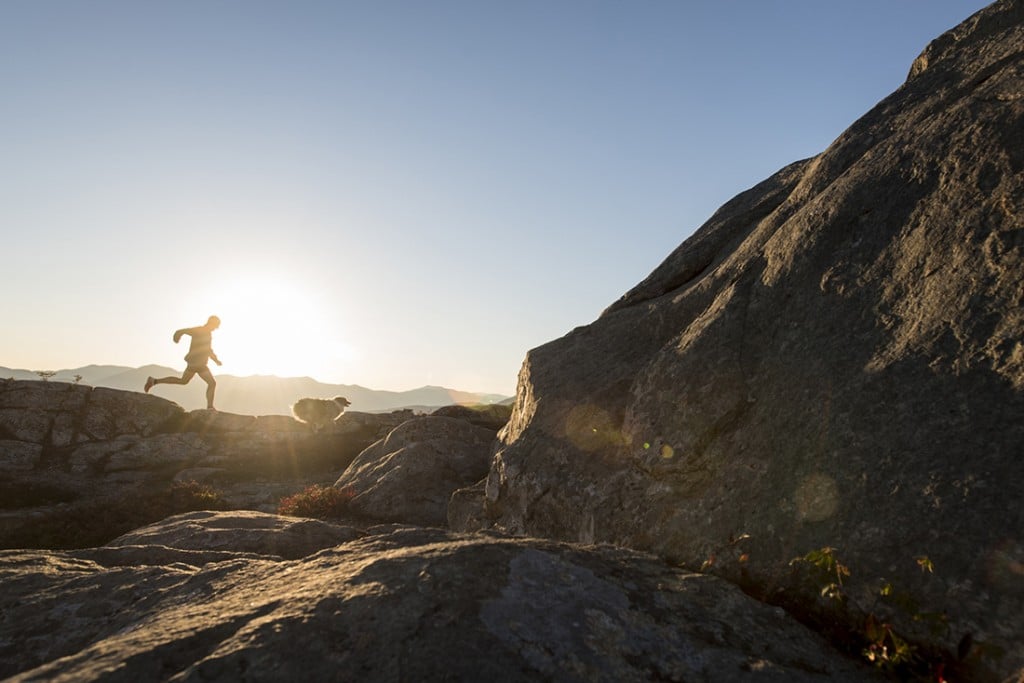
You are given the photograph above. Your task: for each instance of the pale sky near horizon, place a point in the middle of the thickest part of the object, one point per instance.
(394, 193)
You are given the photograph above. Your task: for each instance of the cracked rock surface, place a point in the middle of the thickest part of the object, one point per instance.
(396, 604)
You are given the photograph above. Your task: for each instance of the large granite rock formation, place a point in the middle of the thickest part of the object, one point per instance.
(397, 604)
(835, 359)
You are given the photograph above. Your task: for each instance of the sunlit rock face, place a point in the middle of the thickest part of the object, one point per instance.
(836, 358)
(207, 596)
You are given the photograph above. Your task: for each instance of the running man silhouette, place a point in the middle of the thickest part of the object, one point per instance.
(200, 352)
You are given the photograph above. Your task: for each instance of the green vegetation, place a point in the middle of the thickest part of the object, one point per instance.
(884, 647)
(319, 502)
(830, 569)
(186, 496)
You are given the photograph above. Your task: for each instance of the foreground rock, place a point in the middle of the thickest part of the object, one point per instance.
(834, 360)
(399, 604)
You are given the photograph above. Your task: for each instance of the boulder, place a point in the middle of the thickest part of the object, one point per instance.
(397, 604)
(58, 414)
(834, 360)
(355, 422)
(42, 397)
(111, 413)
(493, 416)
(410, 475)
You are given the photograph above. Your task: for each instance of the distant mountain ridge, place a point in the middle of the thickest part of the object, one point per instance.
(259, 394)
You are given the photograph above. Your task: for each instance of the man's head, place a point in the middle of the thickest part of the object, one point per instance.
(213, 323)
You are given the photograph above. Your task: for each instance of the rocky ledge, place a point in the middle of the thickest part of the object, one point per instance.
(80, 465)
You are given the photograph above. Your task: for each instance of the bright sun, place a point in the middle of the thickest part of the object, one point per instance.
(276, 328)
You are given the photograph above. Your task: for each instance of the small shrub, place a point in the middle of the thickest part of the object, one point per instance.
(186, 496)
(318, 502)
(886, 649)
(830, 571)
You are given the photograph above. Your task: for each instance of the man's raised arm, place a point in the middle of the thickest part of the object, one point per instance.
(178, 333)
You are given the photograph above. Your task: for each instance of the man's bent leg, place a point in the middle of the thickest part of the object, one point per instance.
(185, 378)
(211, 386)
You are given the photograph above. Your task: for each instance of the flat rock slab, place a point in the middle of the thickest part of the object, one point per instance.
(400, 604)
(241, 531)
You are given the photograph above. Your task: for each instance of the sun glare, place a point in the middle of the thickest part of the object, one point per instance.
(273, 327)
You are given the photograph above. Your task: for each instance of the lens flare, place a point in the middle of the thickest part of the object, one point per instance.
(817, 498)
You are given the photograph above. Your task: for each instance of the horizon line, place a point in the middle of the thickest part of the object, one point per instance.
(253, 376)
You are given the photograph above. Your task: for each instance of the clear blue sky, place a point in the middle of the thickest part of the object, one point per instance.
(394, 193)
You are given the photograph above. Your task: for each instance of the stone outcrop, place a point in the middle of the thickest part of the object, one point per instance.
(835, 359)
(79, 465)
(410, 475)
(397, 604)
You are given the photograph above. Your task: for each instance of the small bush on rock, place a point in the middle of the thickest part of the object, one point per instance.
(186, 496)
(317, 501)
(886, 649)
